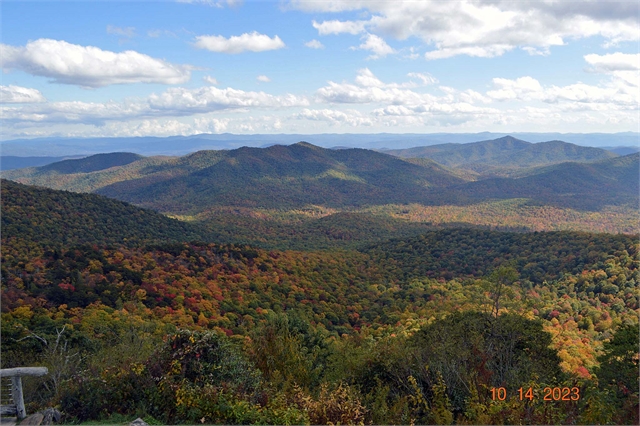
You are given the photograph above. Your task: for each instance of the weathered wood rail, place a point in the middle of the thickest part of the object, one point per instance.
(17, 408)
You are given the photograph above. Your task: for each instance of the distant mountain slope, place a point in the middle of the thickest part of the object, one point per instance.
(92, 163)
(55, 217)
(577, 185)
(11, 162)
(506, 152)
(622, 150)
(90, 174)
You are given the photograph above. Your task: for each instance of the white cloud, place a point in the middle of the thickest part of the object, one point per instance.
(479, 51)
(211, 125)
(623, 67)
(365, 78)
(519, 88)
(263, 78)
(334, 117)
(127, 32)
(483, 28)
(376, 45)
(210, 80)
(369, 89)
(209, 98)
(253, 42)
(17, 95)
(89, 66)
(614, 96)
(614, 62)
(339, 27)
(314, 44)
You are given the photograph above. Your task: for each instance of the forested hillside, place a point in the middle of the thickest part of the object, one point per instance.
(422, 329)
(57, 218)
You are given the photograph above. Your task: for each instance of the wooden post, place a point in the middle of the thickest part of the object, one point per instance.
(16, 388)
(18, 399)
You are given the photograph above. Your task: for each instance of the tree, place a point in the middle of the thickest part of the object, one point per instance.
(619, 369)
(477, 350)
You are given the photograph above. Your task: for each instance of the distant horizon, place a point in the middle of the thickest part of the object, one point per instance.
(318, 133)
(181, 145)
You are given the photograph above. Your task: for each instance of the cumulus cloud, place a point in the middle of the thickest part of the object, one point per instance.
(314, 44)
(483, 28)
(17, 95)
(263, 78)
(252, 42)
(89, 66)
(376, 45)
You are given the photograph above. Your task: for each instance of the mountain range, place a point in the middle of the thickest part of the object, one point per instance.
(299, 175)
(181, 145)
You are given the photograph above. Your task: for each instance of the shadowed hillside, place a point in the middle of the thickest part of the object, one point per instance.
(59, 217)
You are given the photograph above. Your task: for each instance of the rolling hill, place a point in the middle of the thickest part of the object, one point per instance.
(497, 155)
(53, 217)
(585, 186)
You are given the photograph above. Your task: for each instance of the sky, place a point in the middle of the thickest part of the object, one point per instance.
(163, 68)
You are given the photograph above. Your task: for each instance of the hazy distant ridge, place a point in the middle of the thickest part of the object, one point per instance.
(504, 152)
(180, 145)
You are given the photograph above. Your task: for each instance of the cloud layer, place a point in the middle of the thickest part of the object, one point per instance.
(483, 28)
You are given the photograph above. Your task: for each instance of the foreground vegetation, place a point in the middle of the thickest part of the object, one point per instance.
(191, 332)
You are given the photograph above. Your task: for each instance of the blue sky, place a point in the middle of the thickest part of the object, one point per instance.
(293, 66)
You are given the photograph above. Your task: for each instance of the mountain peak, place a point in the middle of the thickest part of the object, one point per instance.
(306, 145)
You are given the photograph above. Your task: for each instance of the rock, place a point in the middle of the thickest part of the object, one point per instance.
(33, 420)
(51, 415)
(138, 422)
(46, 417)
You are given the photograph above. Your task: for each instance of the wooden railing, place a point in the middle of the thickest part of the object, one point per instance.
(17, 408)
